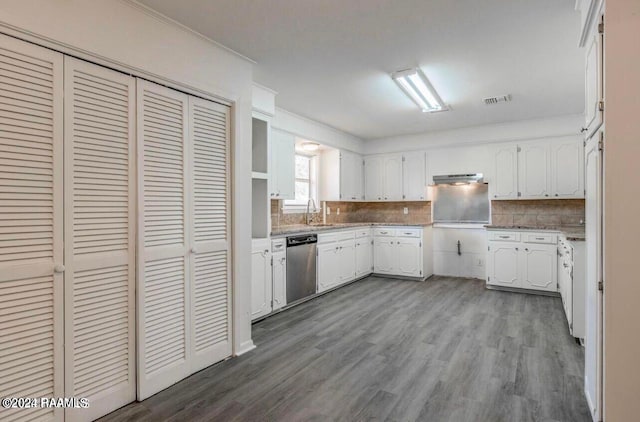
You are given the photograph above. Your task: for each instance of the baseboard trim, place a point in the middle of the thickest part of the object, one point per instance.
(245, 347)
(517, 290)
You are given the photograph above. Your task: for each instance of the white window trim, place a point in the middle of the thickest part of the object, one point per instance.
(313, 190)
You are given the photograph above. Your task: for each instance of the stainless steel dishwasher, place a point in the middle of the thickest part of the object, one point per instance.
(301, 267)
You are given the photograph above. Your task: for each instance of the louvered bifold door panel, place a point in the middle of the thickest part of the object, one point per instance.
(210, 281)
(163, 297)
(31, 254)
(99, 140)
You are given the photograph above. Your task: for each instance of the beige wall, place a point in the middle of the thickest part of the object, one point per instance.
(123, 35)
(622, 211)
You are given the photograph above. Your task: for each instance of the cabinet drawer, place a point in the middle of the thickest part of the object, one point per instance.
(384, 231)
(409, 232)
(548, 238)
(363, 233)
(501, 236)
(278, 245)
(335, 236)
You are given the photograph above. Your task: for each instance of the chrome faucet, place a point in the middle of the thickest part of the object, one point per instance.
(308, 215)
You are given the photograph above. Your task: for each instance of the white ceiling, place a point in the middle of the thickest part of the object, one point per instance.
(330, 60)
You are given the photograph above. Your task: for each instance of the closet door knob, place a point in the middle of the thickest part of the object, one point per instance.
(194, 250)
(58, 268)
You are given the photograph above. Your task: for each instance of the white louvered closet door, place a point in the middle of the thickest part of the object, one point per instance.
(210, 233)
(31, 249)
(99, 238)
(163, 238)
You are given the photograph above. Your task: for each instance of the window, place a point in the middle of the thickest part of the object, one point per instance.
(306, 184)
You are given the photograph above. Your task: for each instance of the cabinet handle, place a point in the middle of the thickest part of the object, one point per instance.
(495, 196)
(379, 198)
(504, 237)
(516, 249)
(546, 194)
(526, 249)
(282, 260)
(539, 238)
(583, 130)
(385, 197)
(557, 194)
(409, 233)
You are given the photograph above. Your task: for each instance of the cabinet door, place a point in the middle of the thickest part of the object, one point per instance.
(567, 177)
(384, 259)
(373, 177)
(594, 83)
(210, 225)
(414, 179)
(539, 267)
(364, 256)
(505, 185)
(99, 238)
(328, 262)
(533, 169)
(346, 261)
(163, 291)
(503, 264)
(351, 176)
(392, 180)
(409, 257)
(279, 275)
(261, 287)
(31, 226)
(283, 165)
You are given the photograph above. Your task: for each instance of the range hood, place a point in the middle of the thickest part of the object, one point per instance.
(458, 179)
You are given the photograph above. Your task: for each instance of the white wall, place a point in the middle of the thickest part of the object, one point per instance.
(473, 248)
(502, 132)
(128, 37)
(315, 131)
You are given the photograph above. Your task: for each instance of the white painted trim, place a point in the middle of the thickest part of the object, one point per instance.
(269, 90)
(245, 347)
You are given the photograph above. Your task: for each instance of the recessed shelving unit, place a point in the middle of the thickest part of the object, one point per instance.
(260, 211)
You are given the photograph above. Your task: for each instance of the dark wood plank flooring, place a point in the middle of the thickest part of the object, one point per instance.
(379, 349)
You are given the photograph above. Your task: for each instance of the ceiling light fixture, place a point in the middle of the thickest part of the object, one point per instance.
(415, 84)
(310, 146)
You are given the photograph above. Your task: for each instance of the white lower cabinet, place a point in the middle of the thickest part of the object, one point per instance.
(328, 261)
(539, 268)
(279, 273)
(261, 286)
(402, 251)
(571, 283)
(346, 261)
(522, 260)
(364, 256)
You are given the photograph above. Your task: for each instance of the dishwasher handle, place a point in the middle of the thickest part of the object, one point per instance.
(301, 240)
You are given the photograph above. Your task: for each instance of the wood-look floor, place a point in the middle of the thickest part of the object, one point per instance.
(381, 349)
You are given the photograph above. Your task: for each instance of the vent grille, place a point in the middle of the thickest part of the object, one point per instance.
(497, 99)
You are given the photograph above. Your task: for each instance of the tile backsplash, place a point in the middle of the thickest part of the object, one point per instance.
(380, 212)
(538, 213)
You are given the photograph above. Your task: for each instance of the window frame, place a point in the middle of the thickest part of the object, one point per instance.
(287, 206)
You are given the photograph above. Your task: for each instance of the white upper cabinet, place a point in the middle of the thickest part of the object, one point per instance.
(414, 176)
(282, 166)
(539, 170)
(392, 183)
(351, 176)
(533, 171)
(593, 84)
(567, 176)
(341, 176)
(373, 178)
(505, 184)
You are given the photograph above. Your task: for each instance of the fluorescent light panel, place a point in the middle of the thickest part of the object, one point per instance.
(415, 84)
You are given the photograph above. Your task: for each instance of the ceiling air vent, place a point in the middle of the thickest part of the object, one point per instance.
(496, 100)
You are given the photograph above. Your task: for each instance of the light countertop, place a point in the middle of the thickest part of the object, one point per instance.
(315, 228)
(575, 233)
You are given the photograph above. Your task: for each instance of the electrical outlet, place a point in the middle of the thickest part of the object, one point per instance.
(406, 210)
(338, 212)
